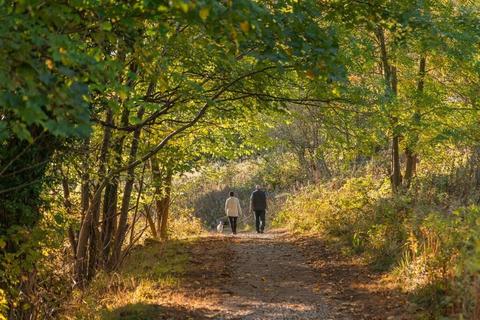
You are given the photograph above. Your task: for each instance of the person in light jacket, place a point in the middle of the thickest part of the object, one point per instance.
(233, 210)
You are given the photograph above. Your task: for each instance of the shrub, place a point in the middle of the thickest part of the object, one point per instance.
(184, 224)
(357, 211)
(443, 262)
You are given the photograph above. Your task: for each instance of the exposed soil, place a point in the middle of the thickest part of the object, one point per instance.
(352, 290)
(277, 276)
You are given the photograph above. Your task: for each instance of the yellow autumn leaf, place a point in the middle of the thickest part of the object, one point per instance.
(245, 26)
(49, 64)
(204, 12)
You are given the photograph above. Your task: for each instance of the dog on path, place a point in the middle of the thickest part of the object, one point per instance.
(220, 227)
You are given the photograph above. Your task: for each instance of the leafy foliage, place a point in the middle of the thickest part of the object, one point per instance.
(104, 104)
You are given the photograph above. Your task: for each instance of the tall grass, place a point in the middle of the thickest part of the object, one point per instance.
(434, 252)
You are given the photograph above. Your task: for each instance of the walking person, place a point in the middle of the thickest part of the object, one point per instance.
(233, 210)
(258, 204)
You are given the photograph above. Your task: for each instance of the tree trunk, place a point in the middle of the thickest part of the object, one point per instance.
(157, 183)
(85, 190)
(151, 222)
(122, 223)
(137, 205)
(396, 166)
(162, 182)
(87, 238)
(166, 207)
(68, 207)
(391, 84)
(322, 168)
(410, 166)
(410, 154)
(109, 225)
(384, 57)
(95, 243)
(396, 174)
(80, 268)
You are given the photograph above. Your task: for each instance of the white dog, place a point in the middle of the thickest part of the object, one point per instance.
(220, 227)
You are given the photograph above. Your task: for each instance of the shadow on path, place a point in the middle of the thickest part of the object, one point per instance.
(142, 311)
(262, 277)
(267, 276)
(350, 287)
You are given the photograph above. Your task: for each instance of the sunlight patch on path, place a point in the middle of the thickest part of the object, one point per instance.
(270, 280)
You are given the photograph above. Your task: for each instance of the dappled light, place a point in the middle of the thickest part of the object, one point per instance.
(240, 159)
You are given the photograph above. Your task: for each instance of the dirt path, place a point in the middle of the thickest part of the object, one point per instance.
(275, 276)
(271, 280)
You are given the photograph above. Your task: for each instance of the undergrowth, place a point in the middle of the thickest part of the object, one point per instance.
(136, 287)
(433, 250)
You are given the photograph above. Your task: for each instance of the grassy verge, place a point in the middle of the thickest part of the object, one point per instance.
(135, 291)
(432, 250)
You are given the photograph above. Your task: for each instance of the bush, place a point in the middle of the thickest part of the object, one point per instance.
(442, 263)
(184, 224)
(357, 211)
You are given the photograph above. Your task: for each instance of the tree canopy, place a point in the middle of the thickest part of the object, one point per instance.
(103, 103)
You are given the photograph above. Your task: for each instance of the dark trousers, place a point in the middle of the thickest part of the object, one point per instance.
(233, 224)
(260, 220)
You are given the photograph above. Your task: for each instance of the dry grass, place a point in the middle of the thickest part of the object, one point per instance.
(135, 291)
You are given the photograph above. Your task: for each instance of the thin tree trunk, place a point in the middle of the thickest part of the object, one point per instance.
(410, 154)
(109, 225)
(90, 221)
(73, 241)
(166, 206)
(161, 201)
(322, 168)
(109, 213)
(410, 166)
(391, 83)
(396, 167)
(122, 223)
(85, 190)
(94, 242)
(80, 268)
(151, 222)
(68, 207)
(396, 174)
(137, 205)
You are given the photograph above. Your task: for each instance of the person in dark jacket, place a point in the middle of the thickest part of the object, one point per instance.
(258, 204)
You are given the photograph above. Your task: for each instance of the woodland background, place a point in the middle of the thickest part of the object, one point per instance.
(122, 122)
